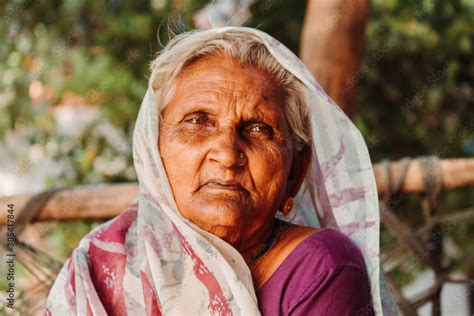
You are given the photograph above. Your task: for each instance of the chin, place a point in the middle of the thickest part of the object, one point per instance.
(226, 224)
(231, 235)
(223, 216)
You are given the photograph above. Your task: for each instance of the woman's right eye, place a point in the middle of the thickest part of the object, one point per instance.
(197, 118)
(194, 120)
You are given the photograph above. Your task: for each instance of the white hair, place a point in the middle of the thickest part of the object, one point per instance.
(245, 47)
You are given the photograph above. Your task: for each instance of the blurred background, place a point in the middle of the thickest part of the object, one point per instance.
(73, 73)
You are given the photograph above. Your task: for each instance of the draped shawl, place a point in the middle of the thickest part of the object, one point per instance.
(150, 260)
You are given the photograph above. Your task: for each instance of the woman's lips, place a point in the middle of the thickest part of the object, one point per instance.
(216, 185)
(224, 185)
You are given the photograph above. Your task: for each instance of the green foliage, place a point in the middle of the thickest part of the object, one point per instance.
(417, 96)
(283, 19)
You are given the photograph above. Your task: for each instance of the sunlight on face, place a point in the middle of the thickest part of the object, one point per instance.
(225, 146)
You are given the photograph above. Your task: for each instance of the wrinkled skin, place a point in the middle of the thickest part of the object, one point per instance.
(220, 110)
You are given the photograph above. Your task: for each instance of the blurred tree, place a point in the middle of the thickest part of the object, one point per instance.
(332, 44)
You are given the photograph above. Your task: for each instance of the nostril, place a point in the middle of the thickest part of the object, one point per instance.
(227, 150)
(228, 155)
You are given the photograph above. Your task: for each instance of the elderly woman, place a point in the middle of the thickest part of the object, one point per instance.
(240, 157)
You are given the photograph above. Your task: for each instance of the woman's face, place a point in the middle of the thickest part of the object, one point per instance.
(225, 146)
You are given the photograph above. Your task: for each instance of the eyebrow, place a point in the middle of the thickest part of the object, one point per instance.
(267, 119)
(207, 100)
(191, 107)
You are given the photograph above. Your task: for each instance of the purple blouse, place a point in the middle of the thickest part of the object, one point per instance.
(324, 275)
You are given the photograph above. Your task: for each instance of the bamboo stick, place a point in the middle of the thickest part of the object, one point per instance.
(455, 173)
(106, 201)
(81, 202)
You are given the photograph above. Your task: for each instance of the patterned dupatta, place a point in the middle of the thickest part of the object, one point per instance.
(150, 260)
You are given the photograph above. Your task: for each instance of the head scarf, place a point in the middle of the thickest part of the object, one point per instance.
(150, 260)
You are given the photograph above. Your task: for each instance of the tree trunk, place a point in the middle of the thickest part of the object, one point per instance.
(332, 44)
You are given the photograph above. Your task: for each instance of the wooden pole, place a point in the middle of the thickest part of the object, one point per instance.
(82, 202)
(332, 44)
(455, 173)
(106, 201)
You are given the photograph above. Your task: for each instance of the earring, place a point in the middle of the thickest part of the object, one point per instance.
(288, 206)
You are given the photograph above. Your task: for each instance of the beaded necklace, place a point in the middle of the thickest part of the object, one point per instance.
(278, 230)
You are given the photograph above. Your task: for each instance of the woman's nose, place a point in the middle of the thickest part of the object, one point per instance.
(226, 149)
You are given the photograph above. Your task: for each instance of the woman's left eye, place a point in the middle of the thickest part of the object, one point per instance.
(259, 129)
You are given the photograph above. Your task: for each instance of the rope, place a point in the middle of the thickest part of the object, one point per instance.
(433, 180)
(29, 213)
(398, 228)
(31, 210)
(394, 188)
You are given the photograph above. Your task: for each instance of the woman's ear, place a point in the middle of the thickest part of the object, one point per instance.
(299, 167)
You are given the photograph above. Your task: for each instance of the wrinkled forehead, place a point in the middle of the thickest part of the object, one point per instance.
(222, 77)
(231, 73)
(223, 84)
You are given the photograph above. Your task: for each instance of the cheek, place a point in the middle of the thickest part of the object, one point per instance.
(177, 151)
(174, 139)
(270, 167)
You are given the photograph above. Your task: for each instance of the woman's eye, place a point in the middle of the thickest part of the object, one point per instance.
(194, 120)
(197, 118)
(257, 129)
(260, 129)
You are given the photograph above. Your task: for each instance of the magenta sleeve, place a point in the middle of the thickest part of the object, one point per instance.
(324, 275)
(343, 290)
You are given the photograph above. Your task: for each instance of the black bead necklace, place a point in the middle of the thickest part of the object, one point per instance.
(278, 230)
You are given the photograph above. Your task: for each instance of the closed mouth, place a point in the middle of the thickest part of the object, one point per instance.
(224, 185)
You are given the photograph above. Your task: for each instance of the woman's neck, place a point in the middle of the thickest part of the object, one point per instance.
(251, 247)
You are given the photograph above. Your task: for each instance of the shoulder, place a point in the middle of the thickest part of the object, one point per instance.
(326, 267)
(334, 271)
(335, 280)
(116, 229)
(331, 248)
(310, 252)
(106, 249)
(315, 252)
(108, 245)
